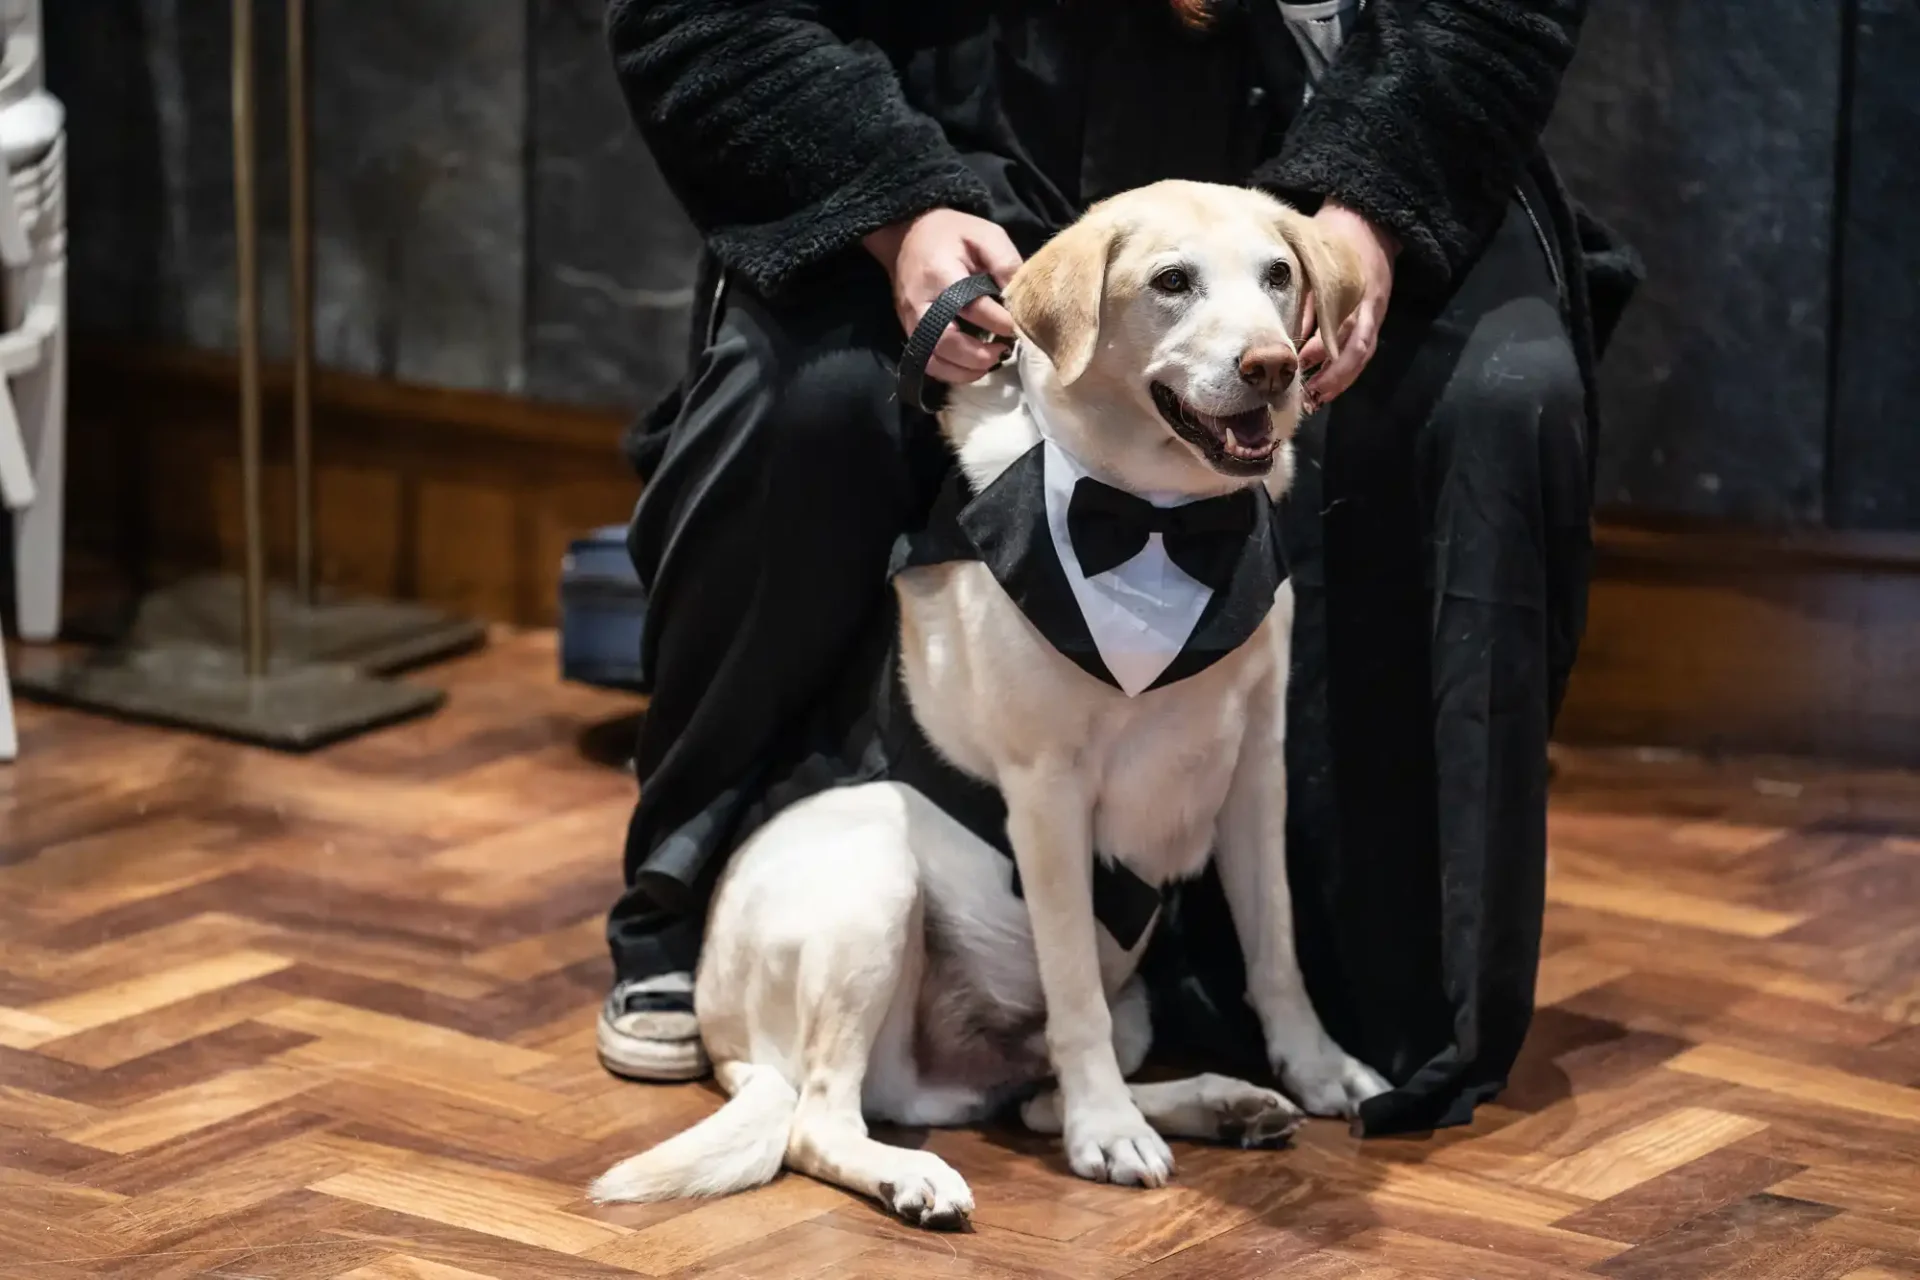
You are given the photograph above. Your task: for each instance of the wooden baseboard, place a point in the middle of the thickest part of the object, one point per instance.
(1729, 640)
(1699, 636)
(466, 500)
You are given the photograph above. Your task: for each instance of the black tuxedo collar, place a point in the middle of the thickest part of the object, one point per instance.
(1004, 526)
(1109, 527)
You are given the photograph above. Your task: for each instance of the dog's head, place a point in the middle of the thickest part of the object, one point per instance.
(1168, 325)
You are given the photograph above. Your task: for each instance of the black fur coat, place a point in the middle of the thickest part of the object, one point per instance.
(789, 129)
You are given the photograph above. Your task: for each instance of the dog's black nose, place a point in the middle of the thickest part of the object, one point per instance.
(1269, 368)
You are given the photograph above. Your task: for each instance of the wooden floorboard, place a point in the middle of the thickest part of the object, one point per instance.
(268, 1016)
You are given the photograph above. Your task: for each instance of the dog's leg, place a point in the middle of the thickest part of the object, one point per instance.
(1252, 853)
(830, 1139)
(1107, 1139)
(1205, 1108)
(849, 975)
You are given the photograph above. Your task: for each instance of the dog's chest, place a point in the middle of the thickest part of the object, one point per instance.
(992, 696)
(1160, 784)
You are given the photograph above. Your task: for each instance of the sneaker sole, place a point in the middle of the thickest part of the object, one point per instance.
(652, 1061)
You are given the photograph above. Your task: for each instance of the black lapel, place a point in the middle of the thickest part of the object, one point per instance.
(1123, 903)
(941, 541)
(1232, 616)
(1007, 528)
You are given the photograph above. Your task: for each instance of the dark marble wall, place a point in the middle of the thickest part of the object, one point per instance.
(150, 180)
(488, 218)
(484, 214)
(1875, 480)
(1704, 132)
(419, 127)
(420, 202)
(611, 257)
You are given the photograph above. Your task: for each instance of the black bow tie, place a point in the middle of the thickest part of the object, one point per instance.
(1205, 538)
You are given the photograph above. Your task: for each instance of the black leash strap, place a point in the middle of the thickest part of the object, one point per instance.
(945, 311)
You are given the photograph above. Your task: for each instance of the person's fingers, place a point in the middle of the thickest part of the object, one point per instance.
(952, 374)
(1338, 374)
(966, 353)
(1355, 351)
(1314, 354)
(990, 315)
(997, 254)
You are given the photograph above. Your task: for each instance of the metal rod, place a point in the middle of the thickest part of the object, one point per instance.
(247, 266)
(300, 246)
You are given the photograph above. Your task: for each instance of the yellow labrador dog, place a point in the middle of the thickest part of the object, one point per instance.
(868, 957)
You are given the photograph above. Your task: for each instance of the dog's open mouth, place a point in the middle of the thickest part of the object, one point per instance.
(1237, 444)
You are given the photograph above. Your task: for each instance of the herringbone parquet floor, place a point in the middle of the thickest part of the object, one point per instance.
(272, 1017)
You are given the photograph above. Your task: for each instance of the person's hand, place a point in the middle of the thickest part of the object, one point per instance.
(924, 256)
(1374, 250)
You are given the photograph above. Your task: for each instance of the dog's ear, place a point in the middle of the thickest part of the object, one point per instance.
(1330, 274)
(1055, 298)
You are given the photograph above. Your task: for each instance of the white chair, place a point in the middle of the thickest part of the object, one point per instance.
(33, 341)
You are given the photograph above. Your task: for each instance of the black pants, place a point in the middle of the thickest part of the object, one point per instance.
(1437, 535)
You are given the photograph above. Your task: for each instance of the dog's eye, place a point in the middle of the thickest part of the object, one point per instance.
(1280, 274)
(1173, 280)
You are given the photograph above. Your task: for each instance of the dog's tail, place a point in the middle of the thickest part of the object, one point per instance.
(738, 1147)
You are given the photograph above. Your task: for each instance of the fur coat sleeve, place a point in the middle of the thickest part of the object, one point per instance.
(1426, 119)
(785, 140)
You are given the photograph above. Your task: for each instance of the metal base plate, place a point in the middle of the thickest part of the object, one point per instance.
(294, 707)
(376, 636)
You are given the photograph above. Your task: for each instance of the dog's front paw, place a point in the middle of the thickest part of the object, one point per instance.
(1326, 1079)
(1116, 1144)
(928, 1193)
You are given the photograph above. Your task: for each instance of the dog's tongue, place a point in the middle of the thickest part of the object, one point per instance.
(1250, 428)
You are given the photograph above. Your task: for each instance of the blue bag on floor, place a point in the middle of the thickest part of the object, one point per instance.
(602, 609)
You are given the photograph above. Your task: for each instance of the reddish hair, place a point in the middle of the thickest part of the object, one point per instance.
(1195, 13)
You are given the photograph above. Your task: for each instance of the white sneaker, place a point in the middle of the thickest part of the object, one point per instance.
(648, 1032)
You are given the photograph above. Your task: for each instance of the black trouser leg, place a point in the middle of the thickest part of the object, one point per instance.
(762, 537)
(1454, 520)
(1438, 542)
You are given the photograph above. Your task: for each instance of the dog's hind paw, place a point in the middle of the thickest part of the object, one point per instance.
(930, 1194)
(1249, 1116)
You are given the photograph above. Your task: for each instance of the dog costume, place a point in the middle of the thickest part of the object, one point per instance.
(1136, 594)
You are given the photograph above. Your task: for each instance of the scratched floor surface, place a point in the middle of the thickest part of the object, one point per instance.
(333, 1016)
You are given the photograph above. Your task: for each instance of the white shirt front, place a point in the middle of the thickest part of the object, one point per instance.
(1319, 27)
(1140, 613)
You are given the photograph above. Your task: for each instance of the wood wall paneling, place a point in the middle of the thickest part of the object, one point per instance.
(1700, 634)
(1721, 639)
(463, 499)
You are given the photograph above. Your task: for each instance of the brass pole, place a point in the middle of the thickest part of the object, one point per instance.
(300, 245)
(247, 265)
